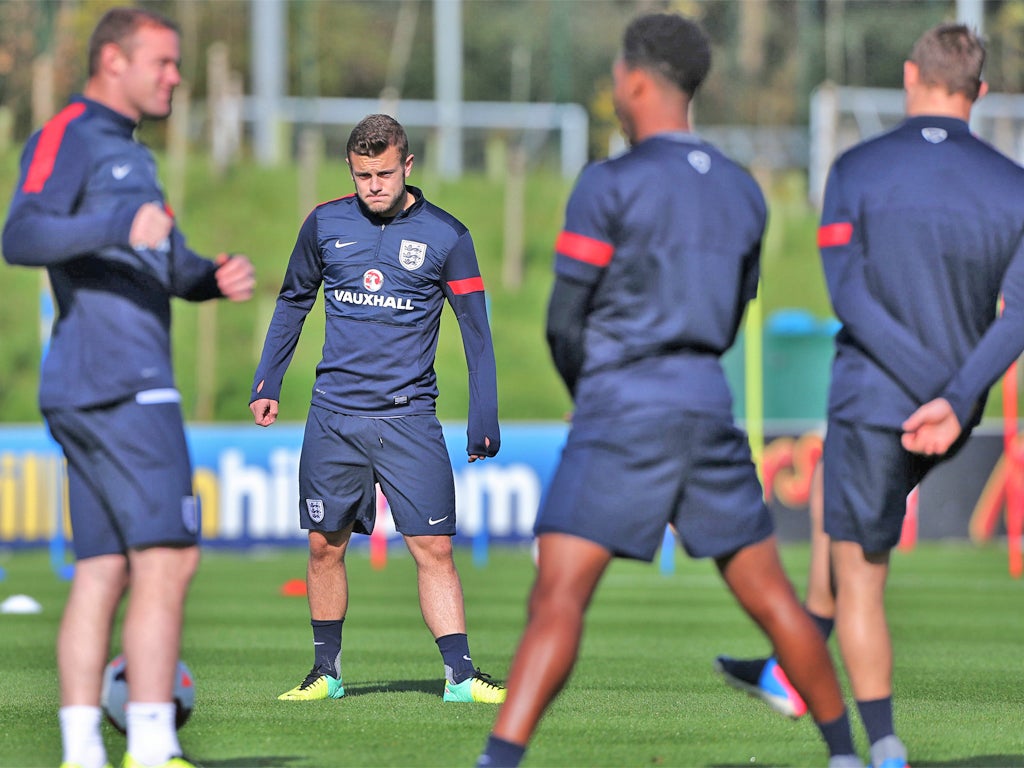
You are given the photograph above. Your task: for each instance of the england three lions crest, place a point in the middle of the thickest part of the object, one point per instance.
(315, 508)
(412, 254)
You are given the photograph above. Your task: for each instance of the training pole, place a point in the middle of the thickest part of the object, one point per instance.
(1014, 452)
(667, 559)
(482, 542)
(378, 537)
(908, 533)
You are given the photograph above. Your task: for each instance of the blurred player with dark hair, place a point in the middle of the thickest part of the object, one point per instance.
(657, 260)
(387, 260)
(921, 233)
(90, 209)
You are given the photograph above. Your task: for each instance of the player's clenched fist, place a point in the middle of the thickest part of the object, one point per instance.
(150, 227)
(236, 276)
(264, 411)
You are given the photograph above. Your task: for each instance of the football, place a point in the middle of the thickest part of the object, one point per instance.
(114, 694)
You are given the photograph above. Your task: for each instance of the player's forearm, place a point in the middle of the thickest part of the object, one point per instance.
(920, 371)
(36, 238)
(566, 321)
(278, 349)
(999, 347)
(914, 367)
(483, 433)
(567, 356)
(194, 278)
(483, 377)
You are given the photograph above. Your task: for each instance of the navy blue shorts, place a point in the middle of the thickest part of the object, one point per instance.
(343, 457)
(129, 476)
(868, 475)
(621, 481)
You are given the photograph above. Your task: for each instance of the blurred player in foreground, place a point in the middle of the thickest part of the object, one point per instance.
(89, 209)
(921, 232)
(387, 260)
(763, 677)
(657, 260)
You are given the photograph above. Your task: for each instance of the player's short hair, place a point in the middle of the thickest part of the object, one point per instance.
(374, 134)
(670, 45)
(951, 55)
(118, 26)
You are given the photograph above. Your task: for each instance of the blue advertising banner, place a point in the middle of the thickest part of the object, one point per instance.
(246, 478)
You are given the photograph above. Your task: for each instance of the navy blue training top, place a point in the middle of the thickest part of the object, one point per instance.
(667, 239)
(384, 284)
(921, 232)
(83, 177)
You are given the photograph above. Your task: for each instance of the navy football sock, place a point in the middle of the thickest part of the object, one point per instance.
(837, 735)
(458, 664)
(327, 646)
(823, 624)
(500, 754)
(877, 718)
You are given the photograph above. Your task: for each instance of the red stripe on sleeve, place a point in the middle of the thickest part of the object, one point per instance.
(585, 249)
(469, 285)
(47, 146)
(835, 234)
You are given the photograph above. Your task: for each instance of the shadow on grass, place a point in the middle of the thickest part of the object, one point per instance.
(433, 686)
(263, 761)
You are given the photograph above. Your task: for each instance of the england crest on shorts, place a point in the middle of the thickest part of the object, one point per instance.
(412, 254)
(315, 508)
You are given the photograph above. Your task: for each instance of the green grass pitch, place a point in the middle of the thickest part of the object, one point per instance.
(643, 692)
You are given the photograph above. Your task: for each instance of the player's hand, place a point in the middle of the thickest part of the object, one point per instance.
(264, 411)
(474, 456)
(931, 429)
(151, 226)
(236, 277)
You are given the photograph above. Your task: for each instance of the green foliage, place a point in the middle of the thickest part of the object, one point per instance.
(767, 56)
(257, 211)
(643, 692)
(19, 310)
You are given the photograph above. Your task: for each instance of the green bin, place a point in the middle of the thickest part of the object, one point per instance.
(796, 359)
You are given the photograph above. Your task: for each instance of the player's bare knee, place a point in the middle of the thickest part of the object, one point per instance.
(433, 552)
(328, 547)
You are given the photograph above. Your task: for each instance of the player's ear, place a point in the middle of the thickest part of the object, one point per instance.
(637, 80)
(982, 89)
(911, 74)
(113, 59)
(408, 164)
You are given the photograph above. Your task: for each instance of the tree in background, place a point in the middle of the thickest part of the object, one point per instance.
(769, 53)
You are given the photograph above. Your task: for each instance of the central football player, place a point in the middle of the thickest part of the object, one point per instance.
(387, 260)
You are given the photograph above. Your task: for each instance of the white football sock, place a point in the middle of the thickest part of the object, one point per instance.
(80, 734)
(152, 735)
